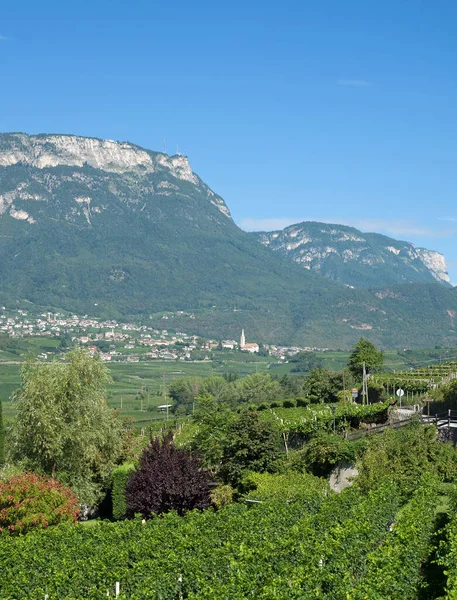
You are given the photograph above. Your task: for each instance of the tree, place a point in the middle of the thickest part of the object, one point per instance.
(213, 418)
(258, 387)
(304, 362)
(184, 391)
(2, 436)
(64, 426)
(365, 352)
(250, 444)
(220, 389)
(167, 478)
(404, 455)
(323, 386)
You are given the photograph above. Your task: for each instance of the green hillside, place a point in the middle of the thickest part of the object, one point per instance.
(111, 229)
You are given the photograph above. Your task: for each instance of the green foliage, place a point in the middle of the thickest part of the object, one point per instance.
(304, 362)
(448, 550)
(301, 423)
(324, 452)
(323, 386)
(222, 495)
(286, 487)
(184, 393)
(213, 418)
(271, 550)
(120, 477)
(446, 398)
(365, 352)
(251, 444)
(29, 502)
(289, 403)
(2, 436)
(64, 425)
(259, 388)
(394, 568)
(132, 443)
(404, 455)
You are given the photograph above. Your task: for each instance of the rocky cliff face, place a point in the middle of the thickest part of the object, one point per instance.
(358, 259)
(111, 230)
(44, 152)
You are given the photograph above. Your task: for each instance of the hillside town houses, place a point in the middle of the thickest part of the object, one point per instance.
(125, 342)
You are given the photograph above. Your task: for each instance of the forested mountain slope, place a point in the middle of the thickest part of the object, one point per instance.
(111, 229)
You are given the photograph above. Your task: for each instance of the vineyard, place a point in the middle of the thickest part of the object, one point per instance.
(334, 547)
(238, 503)
(417, 381)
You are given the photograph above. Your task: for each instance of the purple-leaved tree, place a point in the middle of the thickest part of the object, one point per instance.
(167, 478)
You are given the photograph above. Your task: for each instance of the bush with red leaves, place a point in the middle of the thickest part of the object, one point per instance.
(167, 478)
(28, 501)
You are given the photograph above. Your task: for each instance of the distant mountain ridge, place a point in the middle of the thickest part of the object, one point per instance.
(111, 229)
(357, 259)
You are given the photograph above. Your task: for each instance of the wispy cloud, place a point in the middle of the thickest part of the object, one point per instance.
(354, 82)
(451, 219)
(3, 38)
(394, 227)
(253, 224)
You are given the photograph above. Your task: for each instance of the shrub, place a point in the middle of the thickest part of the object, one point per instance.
(120, 477)
(302, 401)
(275, 405)
(289, 403)
(167, 478)
(252, 444)
(29, 501)
(323, 452)
(222, 495)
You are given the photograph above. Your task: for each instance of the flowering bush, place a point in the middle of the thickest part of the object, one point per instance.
(29, 501)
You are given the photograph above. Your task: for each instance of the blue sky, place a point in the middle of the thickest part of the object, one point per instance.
(329, 110)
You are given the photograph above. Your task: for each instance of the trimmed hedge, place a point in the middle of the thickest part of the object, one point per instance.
(119, 481)
(2, 437)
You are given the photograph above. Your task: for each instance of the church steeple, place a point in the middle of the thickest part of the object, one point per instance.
(242, 340)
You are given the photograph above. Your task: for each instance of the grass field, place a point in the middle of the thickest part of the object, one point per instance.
(137, 389)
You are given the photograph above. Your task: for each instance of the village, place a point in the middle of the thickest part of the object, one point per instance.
(126, 342)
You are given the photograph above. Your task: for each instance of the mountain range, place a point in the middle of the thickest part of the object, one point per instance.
(358, 259)
(115, 230)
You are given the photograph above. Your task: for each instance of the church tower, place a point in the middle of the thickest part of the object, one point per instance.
(242, 340)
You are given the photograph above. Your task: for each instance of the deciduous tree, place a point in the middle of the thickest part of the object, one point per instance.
(252, 444)
(167, 478)
(64, 426)
(365, 352)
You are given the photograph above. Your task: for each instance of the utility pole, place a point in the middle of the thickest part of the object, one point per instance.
(163, 387)
(365, 385)
(344, 390)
